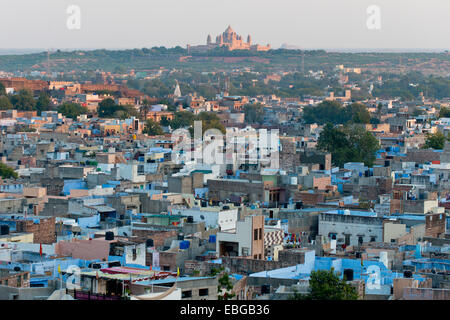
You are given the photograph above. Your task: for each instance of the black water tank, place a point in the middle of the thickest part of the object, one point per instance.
(109, 235)
(387, 163)
(181, 236)
(190, 219)
(358, 255)
(265, 289)
(149, 243)
(407, 274)
(226, 208)
(4, 229)
(17, 269)
(299, 205)
(114, 264)
(348, 274)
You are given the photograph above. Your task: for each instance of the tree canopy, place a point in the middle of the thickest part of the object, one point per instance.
(5, 103)
(109, 109)
(7, 172)
(435, 141)
(334, 112)
(348, 144)
(326, 285)
(72, 110)
(23, 101)
(153, 128)
(254, 113)
(444, 112)
(43, 102)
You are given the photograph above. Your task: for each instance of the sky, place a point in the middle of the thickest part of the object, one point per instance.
(306, 24)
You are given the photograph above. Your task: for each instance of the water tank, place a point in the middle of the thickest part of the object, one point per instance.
(265, 289)
(109, 235)
(190, 219)
(298, 205)
(358, 255)
(149, 243)
(4, 229)
(212, 239)
(226, 208)
(17, 269)
(180, 236)
(184, 244)
(387, 163)
(348, 274)
(407, 274)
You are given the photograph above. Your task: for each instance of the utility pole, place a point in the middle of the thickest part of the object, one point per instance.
(48, 63)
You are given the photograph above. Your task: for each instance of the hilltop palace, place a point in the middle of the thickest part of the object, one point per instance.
(231, 40)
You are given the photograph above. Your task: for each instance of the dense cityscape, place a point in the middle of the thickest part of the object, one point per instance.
(228, 170)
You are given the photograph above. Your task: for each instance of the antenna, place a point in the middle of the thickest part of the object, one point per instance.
(48, 63)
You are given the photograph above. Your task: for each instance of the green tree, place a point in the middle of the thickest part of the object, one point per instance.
(182, 119)
(152, 128)
(7, 172)
(43, 102)
(5, 103)
(106, 108)
(254, 113)
(324, 112)
(24, 101)
(435, 141)
(210, 120)
(444, 112)
(164, 122)
(348, 144)
(72, 110)
(326, 285)
(335, 112)
(109, 109)
(2, 89)
(359, 113)
(225, 284)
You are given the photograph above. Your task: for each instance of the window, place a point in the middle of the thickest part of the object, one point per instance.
(255, 234)
(260, 233)
(260, 256)
(203, 292)
(255, 256)
(347, 239)
(360, 240)
(186, 294)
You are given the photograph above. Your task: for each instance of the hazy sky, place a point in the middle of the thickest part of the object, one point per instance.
(405, 24)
